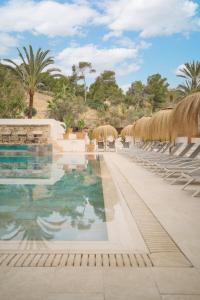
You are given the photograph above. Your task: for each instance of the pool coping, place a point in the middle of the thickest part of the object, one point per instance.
(118, 241)
(162, 250)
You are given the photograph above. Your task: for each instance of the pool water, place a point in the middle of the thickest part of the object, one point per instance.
(51, 200)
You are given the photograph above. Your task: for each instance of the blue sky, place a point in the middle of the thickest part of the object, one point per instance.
(135, 38)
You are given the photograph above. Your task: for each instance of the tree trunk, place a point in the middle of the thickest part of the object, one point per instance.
(85, 91)
(31, 95)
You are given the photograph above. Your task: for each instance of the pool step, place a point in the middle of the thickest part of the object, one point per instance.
(75, 260)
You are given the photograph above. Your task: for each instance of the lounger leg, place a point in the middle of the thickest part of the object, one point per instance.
(177, 179)
(169, 174)
(196, 193)
(189, 181)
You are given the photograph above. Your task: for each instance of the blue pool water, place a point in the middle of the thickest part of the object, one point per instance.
(52, 200)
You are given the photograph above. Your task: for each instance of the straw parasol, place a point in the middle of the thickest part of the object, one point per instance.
(141, 128)
(103, 132)
(127, 131)
(160, 128)
(186, 117)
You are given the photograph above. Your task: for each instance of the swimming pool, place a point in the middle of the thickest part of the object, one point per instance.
(64, 203)
(70, 209)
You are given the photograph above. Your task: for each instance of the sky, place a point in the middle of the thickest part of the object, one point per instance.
(135, 38)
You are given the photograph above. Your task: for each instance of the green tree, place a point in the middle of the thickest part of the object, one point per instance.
(157, 89)
(136, 95)
(191, 73)
(53, 84)
(79, 73)
(66, 103)
(12, 95)
(29, 71)
(105, 90)
(184, 90)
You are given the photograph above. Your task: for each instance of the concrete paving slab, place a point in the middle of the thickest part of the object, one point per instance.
(177, 280)
(69, 296)
(20, 282)
(181, 297)
(77, 280)
(175, 209)
(169, 259)
(130, 284)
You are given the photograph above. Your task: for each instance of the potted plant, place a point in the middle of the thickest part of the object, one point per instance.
(68, 122)
(90, 147)
(123, 140)
(80, 125)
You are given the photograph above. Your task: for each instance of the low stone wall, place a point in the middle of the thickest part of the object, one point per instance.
(26, 134)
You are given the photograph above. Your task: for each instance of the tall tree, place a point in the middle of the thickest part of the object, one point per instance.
(79, 73)
(157, 88)
(136, 95)
(66, 103)
(105, 90)
(184, 90)
(12, 95)
(191, 73)
(30, 70)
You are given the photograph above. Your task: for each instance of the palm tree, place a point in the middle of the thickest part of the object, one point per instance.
(30, 70)
(191, 73)
(184, 90)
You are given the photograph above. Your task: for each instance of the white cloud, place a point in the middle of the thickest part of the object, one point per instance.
(122, 60)
(7, 41)
(47, 17)
(112, 34)
(152, 17)
(53, 18)
(178, 70)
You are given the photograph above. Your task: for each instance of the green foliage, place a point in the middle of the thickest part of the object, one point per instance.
(191, 73)
(12, 95)
(105, 90)
(157, 89)
(123, 139)
(90, 135)
(66, 103)
(27, 111)
(30, 69)
(137, 95)
(52, 84)
(71, 96)
(120, 115)
(68, 121)
(79, 73)
(80, 125)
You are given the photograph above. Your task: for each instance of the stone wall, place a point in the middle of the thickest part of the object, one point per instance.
(26, 134)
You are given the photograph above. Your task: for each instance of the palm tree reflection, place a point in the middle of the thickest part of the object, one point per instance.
(42, 213)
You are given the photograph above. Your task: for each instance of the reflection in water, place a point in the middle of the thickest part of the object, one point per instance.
(71, 209)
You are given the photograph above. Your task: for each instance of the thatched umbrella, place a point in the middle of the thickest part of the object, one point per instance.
(141, 128)
(127, 131)
(160, 128)
(186, 117)
(102, 133)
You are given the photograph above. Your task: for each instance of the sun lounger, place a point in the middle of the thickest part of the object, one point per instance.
(111, 145)
(100, 146)
(189, 177)
(183, 164)
(126, 145)
(181, 167)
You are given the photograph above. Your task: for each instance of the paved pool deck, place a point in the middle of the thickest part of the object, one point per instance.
(175, 274)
